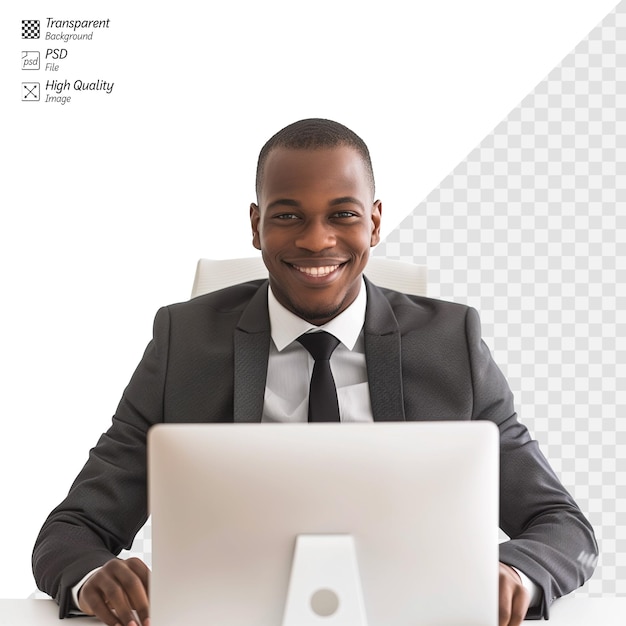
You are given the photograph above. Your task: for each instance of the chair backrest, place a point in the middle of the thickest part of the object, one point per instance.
(213, 274)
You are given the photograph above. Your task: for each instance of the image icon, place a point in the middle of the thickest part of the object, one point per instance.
(30, 59)
(30, 92)
(30, 29)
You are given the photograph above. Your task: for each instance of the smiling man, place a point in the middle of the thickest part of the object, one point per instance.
(315, 224)
(245, 354)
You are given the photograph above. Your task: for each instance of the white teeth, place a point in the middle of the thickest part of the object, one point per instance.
(317, 271)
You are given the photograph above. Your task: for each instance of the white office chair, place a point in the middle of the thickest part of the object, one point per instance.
(212, 274)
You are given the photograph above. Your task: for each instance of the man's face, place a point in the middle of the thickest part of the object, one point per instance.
(315, 223)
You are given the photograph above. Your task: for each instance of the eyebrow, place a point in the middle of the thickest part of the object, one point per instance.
(283, 202)
(346, 200)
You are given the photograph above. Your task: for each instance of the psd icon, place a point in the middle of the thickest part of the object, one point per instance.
(30, 29)
(30, 59)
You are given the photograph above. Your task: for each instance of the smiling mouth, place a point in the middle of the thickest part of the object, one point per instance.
(317, 272)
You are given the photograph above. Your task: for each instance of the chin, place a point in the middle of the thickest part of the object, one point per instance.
(318, 315)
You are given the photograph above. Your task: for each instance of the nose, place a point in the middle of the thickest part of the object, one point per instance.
(316, 236)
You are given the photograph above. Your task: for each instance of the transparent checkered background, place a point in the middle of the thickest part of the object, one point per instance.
(529, 230)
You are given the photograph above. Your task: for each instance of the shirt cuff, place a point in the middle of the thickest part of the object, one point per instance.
(533, 588)
(77, 587)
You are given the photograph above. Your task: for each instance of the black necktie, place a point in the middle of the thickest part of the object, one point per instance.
(323, 405)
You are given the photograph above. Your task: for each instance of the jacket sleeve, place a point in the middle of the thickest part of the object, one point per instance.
(107, 503)
(551, 541)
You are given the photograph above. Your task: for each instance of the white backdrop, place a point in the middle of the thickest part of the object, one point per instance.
(108, 201)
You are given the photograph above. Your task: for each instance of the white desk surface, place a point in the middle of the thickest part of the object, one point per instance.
(568, 611)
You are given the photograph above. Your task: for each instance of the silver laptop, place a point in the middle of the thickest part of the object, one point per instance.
(383, 524)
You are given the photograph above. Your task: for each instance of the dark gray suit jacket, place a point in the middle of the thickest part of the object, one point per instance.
(207, 362)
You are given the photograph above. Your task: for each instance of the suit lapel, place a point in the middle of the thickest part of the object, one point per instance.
(382, 353)
(252, 345)
(383, 356)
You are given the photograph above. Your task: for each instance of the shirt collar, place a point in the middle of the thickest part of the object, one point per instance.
(286, 327)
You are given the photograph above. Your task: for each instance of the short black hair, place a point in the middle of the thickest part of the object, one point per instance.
(312, 134)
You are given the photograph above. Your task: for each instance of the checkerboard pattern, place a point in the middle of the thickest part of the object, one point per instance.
(142, 545)
(530, 229)
(30, 29)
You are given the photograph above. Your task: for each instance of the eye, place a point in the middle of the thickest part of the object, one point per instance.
(285, 216)
(345, 214)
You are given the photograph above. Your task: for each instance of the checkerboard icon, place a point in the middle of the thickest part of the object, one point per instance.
(30, 29)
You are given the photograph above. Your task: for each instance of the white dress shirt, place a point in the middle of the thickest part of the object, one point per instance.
(290, 366)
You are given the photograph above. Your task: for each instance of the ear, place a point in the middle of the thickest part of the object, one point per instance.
(255, 218)
(377, 209)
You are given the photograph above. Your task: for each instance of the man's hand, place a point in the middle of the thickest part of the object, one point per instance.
(514, 597)
(115, 590)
